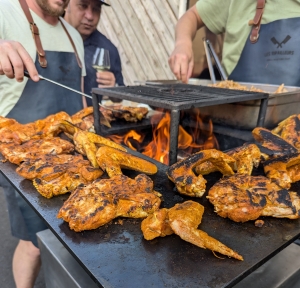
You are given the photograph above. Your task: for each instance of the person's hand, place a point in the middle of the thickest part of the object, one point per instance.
(105, 79)
(13, 59)
(181, 62)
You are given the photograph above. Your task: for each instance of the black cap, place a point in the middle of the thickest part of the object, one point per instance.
(103, 2)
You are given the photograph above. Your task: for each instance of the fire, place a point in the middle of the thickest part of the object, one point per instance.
(198, 138)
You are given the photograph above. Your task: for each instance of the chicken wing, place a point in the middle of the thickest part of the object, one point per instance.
(242, 198)
(183, 220)
(98, 203)
(181, 173)
(33, 148)
(112, 160)
(273, 142)
(246, 157)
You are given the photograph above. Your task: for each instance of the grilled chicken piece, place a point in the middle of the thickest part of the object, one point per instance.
(98, 203)
(273, 142)
(4, 122)
(243, 198)
(183, 219)
(19, 133)
(54, 175)
(112, 161)
(289, 129)
(32, 149)
(86, 142)
(246, 157)
(84, 119)
(181, 173)
(283, 170)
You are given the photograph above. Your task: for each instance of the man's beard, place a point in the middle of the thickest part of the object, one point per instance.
(51, 11)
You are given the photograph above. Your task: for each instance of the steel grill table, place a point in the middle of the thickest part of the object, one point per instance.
(116, 255)
(175, 98)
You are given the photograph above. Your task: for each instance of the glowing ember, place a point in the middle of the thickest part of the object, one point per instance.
(200, 137)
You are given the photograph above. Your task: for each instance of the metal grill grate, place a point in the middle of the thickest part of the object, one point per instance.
(177, 97)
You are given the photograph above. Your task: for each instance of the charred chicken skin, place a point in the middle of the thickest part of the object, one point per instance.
(183, 220)
(182, 174)
(289, 129)
(246, 157)
(86, 142)
(54, 175)
(98, 203)
(112, 161)
(32, 149)
(243, 198)
(283, 170)
(273, 142)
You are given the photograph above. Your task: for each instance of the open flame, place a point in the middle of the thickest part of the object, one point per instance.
(199, 137)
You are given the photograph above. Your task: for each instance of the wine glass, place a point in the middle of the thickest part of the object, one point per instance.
(101, 60)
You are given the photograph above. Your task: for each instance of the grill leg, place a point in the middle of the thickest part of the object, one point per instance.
(96, 113)
(262, 112)
(174, 130)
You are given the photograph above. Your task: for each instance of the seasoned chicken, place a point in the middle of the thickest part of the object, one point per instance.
(283, 170)
(246, 157)
(98, 203)
(54, 175)
(86, 142)
(84, 119)
(273, 142)
(182, 174)
(183, 219)
(19, 133)
(112, 161)
(32, 149)
(4, 122)
(289, 129)
(242, 198)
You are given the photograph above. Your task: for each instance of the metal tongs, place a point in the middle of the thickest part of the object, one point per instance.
(210, 53)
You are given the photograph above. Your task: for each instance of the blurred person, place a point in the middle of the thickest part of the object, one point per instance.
(60, 57)
(260, 44)
(84, 15)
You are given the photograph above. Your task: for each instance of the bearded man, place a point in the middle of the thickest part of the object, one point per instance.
(43, 43)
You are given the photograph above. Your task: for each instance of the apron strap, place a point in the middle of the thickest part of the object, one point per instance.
(255, 23)
(72, 42)
(35, 34)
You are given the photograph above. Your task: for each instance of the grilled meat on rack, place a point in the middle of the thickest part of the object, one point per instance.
(246, 157)
(242, 198)
(182, 174)
(112, 161)
(98, 203)
(289, 129)
(32, 149)
(183, 220)
(54, 175)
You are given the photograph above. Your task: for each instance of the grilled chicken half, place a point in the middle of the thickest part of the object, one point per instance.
(183, 220)
(182, 174)
(242, 198)
(246, 157)
(112, 161)
(54, 175)
(33, 148)
(98, 203)
(289, 129)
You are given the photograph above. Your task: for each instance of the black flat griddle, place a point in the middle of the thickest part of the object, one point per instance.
(178, 97)
(117, 254)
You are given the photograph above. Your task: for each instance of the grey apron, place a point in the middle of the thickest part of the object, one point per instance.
(274, 58)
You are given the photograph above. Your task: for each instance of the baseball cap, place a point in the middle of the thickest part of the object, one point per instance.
(103, 2)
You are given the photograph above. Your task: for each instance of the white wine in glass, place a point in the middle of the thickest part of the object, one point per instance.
(101, 60)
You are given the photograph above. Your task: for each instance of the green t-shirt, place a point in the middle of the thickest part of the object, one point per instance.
(232, 17)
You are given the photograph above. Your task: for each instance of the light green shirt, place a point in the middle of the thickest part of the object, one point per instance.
(232, 17)
(14, 26)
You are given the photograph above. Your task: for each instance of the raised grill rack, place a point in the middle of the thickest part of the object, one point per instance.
(177, 97)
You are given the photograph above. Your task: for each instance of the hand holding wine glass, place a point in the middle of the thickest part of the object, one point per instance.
(101, 60)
